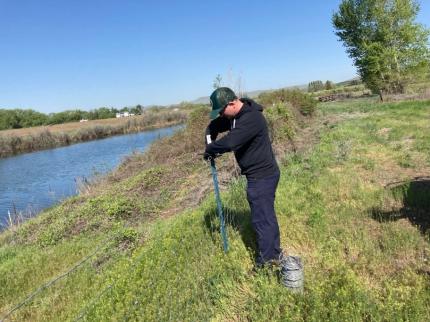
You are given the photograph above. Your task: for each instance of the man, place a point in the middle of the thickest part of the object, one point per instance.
(248, 138)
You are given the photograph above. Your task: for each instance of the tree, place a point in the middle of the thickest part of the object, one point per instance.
(9, 120)
(389, 49)
(17, 118)
(28, 118)
(217, 81)
(329, 85)
(315, 86)
(139, 109)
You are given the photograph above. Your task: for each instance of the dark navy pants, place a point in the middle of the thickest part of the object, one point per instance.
(261, 198)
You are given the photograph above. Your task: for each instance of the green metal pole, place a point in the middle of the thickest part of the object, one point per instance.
(219, 205)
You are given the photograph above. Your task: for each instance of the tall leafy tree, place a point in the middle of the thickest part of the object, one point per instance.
(389, 49)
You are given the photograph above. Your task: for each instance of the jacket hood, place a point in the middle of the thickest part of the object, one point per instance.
(249, 105)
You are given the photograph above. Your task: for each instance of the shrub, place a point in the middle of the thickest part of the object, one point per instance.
(279, 119)
(302, 101)
(127, 237)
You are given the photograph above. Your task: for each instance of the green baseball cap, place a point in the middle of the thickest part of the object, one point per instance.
(219, 99)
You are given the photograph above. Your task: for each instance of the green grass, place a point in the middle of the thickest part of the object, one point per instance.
(366, 254)
(348, 91)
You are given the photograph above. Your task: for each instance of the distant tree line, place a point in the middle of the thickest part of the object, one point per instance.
(17, 118)
(318, 85)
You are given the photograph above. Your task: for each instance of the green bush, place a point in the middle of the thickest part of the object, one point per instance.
(127, 236)
(299, 100)
(279, 119)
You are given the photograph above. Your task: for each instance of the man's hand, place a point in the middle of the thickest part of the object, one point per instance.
(208, 156)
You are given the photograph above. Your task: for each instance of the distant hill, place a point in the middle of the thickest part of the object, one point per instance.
(251, 94)
(349, 81)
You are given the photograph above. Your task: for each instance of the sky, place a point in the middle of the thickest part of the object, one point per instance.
(63, 54)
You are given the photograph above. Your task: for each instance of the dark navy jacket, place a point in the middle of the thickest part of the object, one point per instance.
(248, 139)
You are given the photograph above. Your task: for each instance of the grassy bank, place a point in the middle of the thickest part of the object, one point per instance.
(45, 137)
(349, 203)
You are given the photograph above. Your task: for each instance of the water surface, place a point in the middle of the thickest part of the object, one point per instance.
(33, 181)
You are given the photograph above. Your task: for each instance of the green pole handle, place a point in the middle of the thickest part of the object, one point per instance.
(219, 205)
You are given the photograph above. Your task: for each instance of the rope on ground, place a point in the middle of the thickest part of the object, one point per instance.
(53, 281)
